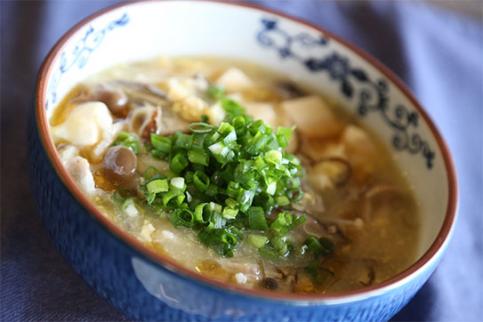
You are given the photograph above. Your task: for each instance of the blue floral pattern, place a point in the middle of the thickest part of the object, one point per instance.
(79, 56)
(354, 83)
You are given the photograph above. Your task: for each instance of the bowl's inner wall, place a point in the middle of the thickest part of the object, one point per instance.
(144, 30)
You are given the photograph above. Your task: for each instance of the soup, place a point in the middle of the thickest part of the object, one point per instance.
(239, 174)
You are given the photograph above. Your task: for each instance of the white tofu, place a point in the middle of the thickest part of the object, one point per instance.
(318, 149)
(358, 143)
(361, 151)
(312, 116)
(262, 111)
(234, 80)
(86, 125)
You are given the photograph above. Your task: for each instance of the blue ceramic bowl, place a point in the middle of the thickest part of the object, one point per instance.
(148, 286)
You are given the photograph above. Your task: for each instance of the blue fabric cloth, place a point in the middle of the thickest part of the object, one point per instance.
(438, 53)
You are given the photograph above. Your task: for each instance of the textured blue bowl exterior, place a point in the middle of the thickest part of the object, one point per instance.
(106, 264)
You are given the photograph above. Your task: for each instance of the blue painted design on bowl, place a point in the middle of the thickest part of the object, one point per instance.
(400, 118)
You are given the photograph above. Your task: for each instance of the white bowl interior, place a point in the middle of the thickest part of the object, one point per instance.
(144, 30)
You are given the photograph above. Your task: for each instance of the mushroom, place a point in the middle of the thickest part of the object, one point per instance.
(114, 98)
(314, 228)
(119, 165)
(143, 92)
(145, 120)
(269, 283)
(313, 117)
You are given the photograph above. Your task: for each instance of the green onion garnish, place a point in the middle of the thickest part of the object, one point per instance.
(157, 185)
(128, 140)
(256, 218)
(257, 241)
(227, 180)
(201, 127)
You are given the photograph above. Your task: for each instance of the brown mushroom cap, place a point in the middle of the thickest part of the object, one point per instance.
(115, 99)
(119, 163)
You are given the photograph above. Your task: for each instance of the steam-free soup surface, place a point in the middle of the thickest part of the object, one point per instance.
(239, 173)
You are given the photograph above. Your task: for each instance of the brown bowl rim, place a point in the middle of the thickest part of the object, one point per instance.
(171, 265)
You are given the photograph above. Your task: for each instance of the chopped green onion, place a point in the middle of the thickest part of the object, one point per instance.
(151, 173)
(256, 219)
(204, 118)
(322, 246)
(257, 241)
(231, 203)
(178, 162)
(269, 253)
(212, 190)
(178, 183)
(328, 246)
(313, 244)
(282, 223)
(198, 156)
(182, 217)
(229, 213)
(232, 108)
(168, 196)
(222, 240)
(214, 207)
(128, 140)
(157, 185)
(271, 188)
(201, 127)
(280, 245)
(201, 181)
(182, 141)
(200, 214)
(150, 197)
(161, 144)
(239, 166)
(284, 135)
(245, 199)
(274, 157)
(282, 201)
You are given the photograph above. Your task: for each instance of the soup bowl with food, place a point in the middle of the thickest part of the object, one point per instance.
(213, 161)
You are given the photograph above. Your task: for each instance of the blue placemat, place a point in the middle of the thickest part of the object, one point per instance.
(439, 53)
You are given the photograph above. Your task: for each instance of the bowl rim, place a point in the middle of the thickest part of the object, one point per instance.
(165, 262)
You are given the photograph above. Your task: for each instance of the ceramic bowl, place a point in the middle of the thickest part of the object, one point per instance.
(148, 286)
